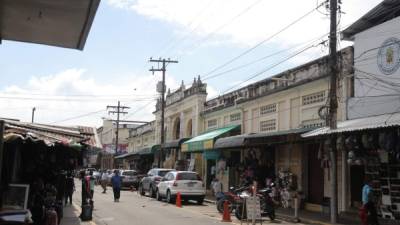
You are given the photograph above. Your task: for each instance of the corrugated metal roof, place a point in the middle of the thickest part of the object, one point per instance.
(386, 10)
(373, 122)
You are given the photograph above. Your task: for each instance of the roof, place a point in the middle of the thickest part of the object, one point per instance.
(254, 139)
(51, 134)
(174, 143)
(366, 123)
(91, 136)
(62, 23)
(385, 11)
(206, 140)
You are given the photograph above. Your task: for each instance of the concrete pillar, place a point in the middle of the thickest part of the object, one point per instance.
(182, 125)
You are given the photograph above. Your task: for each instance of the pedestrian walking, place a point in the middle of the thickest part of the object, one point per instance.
(69, 188)
(103, 181)
(116, 182)
(368, 202)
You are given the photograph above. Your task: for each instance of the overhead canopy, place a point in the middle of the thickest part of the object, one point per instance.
(174, 143)
(63, 23)
(386, 10)
(251, 140)
(206, 140)
(367, 123)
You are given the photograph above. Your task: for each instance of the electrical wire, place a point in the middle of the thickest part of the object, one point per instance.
(79, 116)
(261, 42)
(209, 35)
(270, 67)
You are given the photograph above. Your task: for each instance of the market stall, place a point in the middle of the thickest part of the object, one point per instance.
(35, 163)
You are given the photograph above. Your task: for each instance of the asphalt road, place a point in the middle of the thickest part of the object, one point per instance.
(134, 209)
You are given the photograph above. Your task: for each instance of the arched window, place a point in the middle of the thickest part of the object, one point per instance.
(189, 129)
(177, 128)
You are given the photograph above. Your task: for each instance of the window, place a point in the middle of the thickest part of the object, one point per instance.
(313, 123)
(212, 123)
(314, 98)
(266, 109)
(268, 125)
(235, 117)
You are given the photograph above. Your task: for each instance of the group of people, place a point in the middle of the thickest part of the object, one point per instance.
(89, 181)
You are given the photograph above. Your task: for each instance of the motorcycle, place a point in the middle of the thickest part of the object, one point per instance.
(232, 197)
(266, 204)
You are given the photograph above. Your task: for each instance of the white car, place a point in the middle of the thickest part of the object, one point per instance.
(187, 183)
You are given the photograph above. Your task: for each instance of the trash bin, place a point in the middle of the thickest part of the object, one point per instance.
(326, 205)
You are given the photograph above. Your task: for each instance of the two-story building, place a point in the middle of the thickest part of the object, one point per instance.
(182, 121)
(369, 139)
(269, 116)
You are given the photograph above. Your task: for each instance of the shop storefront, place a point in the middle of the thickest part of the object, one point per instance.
(204, 159)
(34, 166)
(174, 158)
(370, 149)
(263, 157)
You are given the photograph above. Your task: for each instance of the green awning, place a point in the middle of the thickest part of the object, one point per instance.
(206, 140)
(148, 150)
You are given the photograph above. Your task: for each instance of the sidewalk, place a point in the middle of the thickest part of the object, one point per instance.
(71, 216)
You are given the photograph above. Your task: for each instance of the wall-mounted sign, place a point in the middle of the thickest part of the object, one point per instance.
(388, 58)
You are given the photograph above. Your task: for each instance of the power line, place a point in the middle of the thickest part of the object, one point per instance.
(261, 42)
(71, 99)
(209, 35)
(181, 40)
(138, 110)
(259, 59)
(77, 117)
(271, 67)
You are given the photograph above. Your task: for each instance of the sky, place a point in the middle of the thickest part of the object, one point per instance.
(72, 87)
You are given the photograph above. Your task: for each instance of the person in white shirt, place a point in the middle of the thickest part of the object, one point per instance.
(216, 187)
(103, 181)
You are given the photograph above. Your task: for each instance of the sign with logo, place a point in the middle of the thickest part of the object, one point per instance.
(388, 58)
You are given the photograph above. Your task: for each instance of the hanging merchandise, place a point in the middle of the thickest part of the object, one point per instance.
(340, 142)
(387, 141)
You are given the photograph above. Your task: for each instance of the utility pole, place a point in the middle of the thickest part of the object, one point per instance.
(118, 109)
(33, 113)
(333, 105)
(162, 92)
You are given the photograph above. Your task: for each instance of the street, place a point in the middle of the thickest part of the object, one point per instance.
(136, 209)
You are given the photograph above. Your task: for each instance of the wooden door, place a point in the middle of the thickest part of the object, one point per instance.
(315, 176)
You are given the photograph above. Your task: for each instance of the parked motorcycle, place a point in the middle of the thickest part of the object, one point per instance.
(266, 204)
(232, 197)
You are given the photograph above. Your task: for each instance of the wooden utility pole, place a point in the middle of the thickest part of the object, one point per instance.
(333, 105)
(162, 92)
(118, 109)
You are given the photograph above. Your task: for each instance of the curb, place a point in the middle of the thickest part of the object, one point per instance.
(210, 201)
(288, 218)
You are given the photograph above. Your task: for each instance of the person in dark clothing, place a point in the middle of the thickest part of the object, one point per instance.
(116, 182)
(61, 178)
(84, 188)
(368, 202)
(69, 188)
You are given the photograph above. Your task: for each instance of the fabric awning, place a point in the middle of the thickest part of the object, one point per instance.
(256, 139)
(62, 23)
(206, 140)
(367, 123)
(174, 143)
(125, 155)
(145, 151)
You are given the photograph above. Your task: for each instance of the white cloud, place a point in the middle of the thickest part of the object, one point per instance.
(261, 21)
(72, 93)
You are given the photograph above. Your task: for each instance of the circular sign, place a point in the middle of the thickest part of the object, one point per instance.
(389, 56)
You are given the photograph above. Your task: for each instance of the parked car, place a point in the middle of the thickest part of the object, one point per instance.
(129, 178)
(150, 181)
(187, 183)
